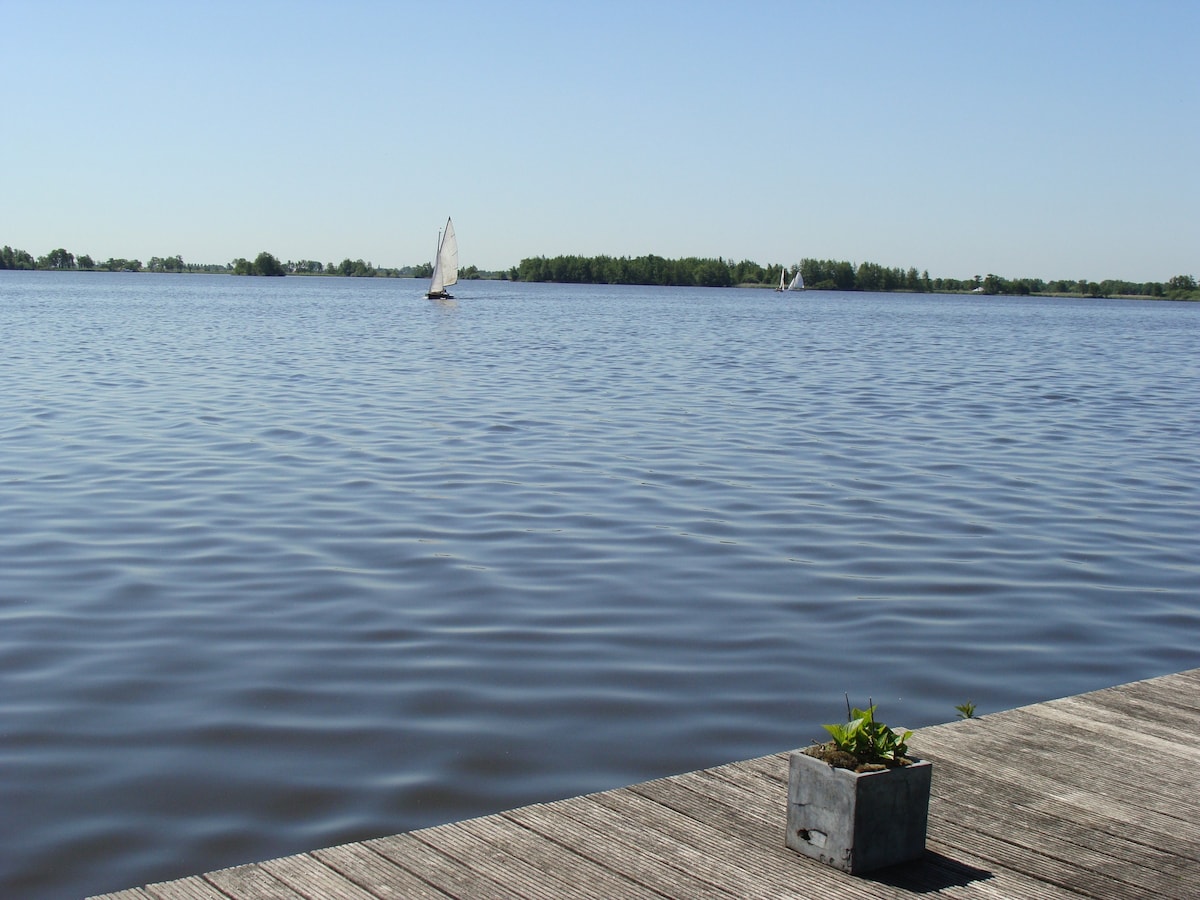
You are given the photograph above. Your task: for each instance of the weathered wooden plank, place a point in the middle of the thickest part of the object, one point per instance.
(727, 816)
(625, 860)
(1175, 694)
(1041, 867)
(506, 852)
(376, 874)
(535, 850)
(1101, 855)
(765, 803)
(1065, 793)
(743, 866)
(1109, 737)
(191, 888)
(1067, 801)
(441, 871)
(307, 875)
(1188, 676)
(1084, 807)
(976, 795)
(1154, 716)
(1034, 741)
(746, 869)
(777, 872)
(252, 882)
(1065, 778)
(628, 833)
(971, 877)
(127, 894)
(760, 830)
(769, 793)
(752, 866)
(774, 767)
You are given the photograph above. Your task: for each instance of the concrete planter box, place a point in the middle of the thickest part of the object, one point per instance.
(853, 821)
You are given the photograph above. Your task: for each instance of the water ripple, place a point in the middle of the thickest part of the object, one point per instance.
(293, 562)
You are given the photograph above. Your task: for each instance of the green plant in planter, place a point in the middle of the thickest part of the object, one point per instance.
(863, 743)
(858, 802)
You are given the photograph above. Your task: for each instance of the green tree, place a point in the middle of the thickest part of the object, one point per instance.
(57, 259)
(15, 259)
(869, 277)
(713, 273)
(747, 272)
(266, 264)
(843, 276)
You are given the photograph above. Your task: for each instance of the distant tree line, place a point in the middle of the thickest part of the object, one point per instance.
(63, 260)
(264, 264)
(819, 274)
(839, 275)
(623, 270)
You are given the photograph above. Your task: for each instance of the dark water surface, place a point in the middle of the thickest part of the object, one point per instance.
(292, 562)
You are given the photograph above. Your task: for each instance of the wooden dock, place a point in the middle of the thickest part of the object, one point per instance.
(1088, 796)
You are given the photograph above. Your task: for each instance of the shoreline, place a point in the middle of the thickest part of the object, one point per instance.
(751, 286)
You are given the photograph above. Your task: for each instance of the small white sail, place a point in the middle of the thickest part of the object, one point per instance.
(448, 256)
(797, 283)
(445, 266)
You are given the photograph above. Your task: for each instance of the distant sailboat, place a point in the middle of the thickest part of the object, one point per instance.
(445, 265)
(797, 282)
(782, 279)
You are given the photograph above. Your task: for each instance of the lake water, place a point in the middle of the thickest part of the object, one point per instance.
(292, 562)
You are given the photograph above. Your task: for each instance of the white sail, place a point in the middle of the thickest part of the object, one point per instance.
(445, 266)
(797, 283)
(448, 256)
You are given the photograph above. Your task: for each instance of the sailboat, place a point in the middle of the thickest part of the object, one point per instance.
(797, 282)
(782, 281)
(445, 265)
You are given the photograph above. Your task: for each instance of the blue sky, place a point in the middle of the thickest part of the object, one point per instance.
(1055, 139)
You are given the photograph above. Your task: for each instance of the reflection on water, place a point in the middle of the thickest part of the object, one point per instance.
(290, 562)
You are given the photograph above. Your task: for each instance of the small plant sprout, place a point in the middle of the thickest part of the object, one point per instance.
(870, 741)
(966, 710)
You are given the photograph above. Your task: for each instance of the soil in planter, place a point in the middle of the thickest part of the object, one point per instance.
(843, 759)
